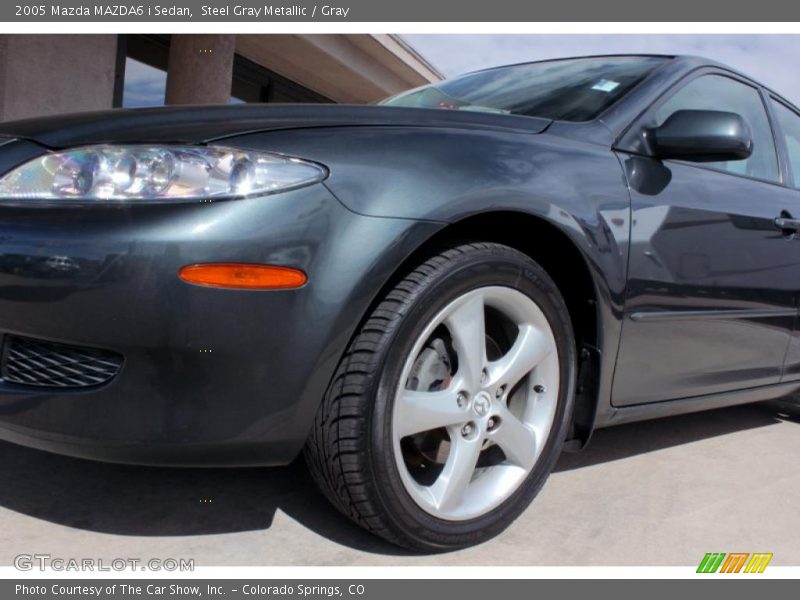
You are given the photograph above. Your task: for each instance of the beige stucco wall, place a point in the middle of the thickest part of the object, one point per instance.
(200, 69)
(48, 74)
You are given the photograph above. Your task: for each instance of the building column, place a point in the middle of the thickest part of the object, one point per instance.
(49, 74)
(200, 69)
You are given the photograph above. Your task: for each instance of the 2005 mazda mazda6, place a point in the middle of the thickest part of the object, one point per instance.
(431, 297)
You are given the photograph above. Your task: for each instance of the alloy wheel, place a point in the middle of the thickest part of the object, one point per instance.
(476, 402)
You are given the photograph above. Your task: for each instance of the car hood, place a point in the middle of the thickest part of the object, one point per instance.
(203, 124)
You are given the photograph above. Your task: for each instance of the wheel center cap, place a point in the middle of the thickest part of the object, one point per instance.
(481, 404)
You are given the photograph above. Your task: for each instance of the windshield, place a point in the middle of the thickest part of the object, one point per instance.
(577, 89)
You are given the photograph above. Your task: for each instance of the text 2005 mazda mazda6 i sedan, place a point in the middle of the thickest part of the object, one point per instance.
(433, 296)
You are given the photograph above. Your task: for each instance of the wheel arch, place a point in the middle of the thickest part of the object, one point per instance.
(548, 245)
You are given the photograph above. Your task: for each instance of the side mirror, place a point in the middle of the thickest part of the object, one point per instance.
(702, 136)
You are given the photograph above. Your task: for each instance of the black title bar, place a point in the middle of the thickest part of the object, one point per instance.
(255, 11)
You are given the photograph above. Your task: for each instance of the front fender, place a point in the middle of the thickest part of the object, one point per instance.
(446, 175)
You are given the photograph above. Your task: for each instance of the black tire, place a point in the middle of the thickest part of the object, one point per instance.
(349, 451)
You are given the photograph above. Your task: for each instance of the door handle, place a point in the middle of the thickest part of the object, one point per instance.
(787, 224)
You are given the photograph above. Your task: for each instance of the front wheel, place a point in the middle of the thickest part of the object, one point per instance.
(449, 408)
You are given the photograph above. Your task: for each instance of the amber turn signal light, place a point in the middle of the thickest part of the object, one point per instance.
(243, 276)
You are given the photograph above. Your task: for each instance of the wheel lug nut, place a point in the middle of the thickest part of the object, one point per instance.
(484, 376)
(461, 399)
(539, 389)
(467, 430)
(500, 391)
(492, 423)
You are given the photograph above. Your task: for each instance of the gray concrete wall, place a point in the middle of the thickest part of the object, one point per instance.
(49, 74)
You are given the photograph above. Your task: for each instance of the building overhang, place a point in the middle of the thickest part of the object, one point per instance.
(351, 68)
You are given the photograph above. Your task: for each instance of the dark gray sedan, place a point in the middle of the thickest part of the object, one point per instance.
(433, 297)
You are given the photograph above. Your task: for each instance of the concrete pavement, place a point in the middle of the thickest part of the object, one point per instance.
(661, 492)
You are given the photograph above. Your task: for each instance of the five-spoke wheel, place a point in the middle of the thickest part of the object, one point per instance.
(449, 408)
(470, 424)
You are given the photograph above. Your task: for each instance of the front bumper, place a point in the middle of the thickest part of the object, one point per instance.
(210, 376)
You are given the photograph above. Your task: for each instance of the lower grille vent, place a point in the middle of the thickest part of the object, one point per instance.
(26, 361)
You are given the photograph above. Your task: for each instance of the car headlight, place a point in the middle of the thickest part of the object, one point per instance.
(159, 173)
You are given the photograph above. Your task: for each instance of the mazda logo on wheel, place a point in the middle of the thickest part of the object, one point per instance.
(482, 404)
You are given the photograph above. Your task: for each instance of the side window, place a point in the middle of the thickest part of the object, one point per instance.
(789, 122)
(717, 92)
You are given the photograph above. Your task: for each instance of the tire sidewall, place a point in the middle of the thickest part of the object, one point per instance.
(490, 266)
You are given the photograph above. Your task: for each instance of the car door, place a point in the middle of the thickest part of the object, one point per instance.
(711, 297)
(787, 126)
